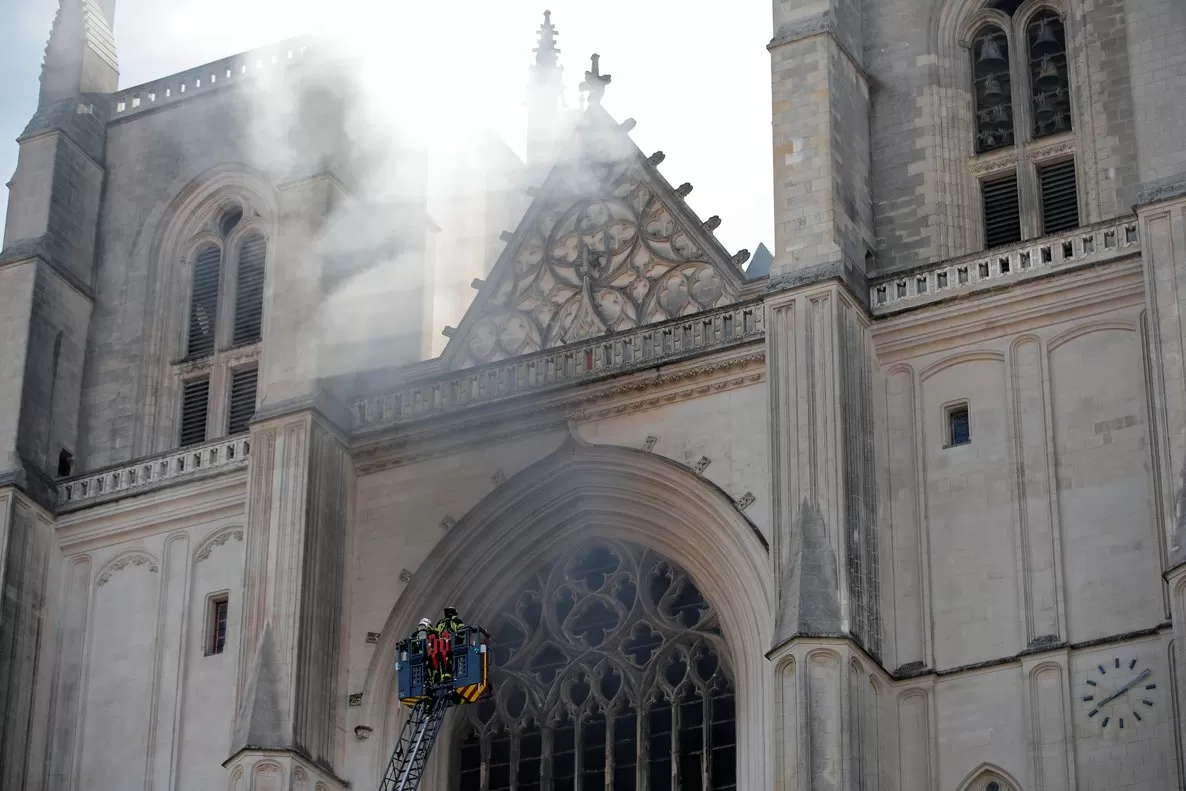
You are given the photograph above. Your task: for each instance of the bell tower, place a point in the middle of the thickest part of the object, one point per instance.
(46, 280)
(820, 93)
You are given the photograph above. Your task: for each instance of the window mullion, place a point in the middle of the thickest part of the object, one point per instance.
(485, 774)
(706, 739)
(513, 770)
(578, 754)
(643, 769)
(610, 764)
(675, 733)
(545, 758)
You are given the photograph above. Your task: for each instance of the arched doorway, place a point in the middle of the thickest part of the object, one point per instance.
(611, 672)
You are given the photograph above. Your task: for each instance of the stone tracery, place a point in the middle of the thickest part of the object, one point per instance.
(608, 664)
(604, 254)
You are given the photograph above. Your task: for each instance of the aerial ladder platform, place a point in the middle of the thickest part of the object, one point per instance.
(463, 654)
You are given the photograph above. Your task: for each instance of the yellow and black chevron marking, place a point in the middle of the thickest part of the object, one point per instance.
(411, 702)
(471, 692)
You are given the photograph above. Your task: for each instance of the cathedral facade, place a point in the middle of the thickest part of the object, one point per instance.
(900, 506)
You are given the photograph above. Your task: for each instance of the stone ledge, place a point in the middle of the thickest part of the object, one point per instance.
(1169, 188)
(155, 472)
(924, 285)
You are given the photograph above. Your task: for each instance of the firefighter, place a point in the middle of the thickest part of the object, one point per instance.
(446, 628)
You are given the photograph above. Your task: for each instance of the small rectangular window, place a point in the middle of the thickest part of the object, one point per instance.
(1002, 211)
(959, 431)
(1060, 197)
(242, 405)
(216, 623)
(195, 403)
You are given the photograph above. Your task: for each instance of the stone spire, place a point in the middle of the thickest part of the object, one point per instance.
(80, 56)
(545, 98)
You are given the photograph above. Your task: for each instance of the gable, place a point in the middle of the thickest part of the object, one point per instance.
(607, 245)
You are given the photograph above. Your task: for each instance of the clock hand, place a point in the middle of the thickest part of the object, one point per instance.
(1132, 683)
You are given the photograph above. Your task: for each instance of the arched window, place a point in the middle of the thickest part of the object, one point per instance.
(992, 88)
(218, 379)
(249, 290)
(610, 672)
(203, 302)
(1050, 90)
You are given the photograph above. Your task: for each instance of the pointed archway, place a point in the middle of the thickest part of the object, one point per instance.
(615, 496)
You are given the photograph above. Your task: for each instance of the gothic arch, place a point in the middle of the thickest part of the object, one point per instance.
(162, 249)
(599, 492)
(979, 778)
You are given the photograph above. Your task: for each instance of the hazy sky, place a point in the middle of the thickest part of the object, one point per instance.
(693, 73)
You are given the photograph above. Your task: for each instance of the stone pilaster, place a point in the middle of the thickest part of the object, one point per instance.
(823, 205)
(830, 707)
(27, 551)
(289, 700)
(825, 491)
(1162, 215)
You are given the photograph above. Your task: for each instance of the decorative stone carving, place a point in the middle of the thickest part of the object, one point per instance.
(498, 478)
(649, 445)
(132, 559)
(356, 699)
(602, 253)
(745, 501)
(613, 637)
(373, 638)
(448, 522)
(405, 575)
(1052, 150)
(217, 541)
(701, 465)
(983, 166)
(362, 732)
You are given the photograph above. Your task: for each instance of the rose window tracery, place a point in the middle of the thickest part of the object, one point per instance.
(604, 254)
(610, 672)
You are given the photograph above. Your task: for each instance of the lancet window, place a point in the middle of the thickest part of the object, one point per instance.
(1020, 88)
(611, 672)
(217, 372)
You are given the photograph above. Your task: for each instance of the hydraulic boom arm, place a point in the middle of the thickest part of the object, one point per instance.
(415, 742)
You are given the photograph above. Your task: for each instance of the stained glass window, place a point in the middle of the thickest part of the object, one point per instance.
(609, 671)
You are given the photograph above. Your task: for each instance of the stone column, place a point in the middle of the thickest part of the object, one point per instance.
(289, 699)
(1161, 212)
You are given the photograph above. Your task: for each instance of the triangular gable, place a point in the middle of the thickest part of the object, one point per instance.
(606, 245)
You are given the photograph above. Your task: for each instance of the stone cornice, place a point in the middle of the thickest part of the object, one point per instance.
(152, 473)
(1170, 188)
(976, 318)
(623, 395)
(564, 368)
(930, 283)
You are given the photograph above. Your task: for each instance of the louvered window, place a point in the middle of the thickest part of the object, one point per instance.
(203, 304)
(1060, 200)
(1002, 211)
(242, 405)
(249, 298)
(195, 403)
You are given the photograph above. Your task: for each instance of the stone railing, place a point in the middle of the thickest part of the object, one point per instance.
(1091, 245)
(141, 476)
(243, 66)
(655, 344)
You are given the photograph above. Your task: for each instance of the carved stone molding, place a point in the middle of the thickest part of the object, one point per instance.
(133, 559)
(701, 465)
(372, 637)
(745, 501)
(217, 541)
(650, 443)
(983, 167)
(405, 575)
(355, 699)
(1037, 153)
(498, 478)
(448, 522)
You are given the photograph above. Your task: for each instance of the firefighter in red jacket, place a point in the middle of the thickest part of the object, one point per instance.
(440, 648)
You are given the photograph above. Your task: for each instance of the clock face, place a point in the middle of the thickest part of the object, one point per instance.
(1118, 693)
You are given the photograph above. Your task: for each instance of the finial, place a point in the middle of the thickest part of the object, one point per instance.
(712, 223)
(656, 159)
(595, 82)
(684, 190)
(546, 52)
